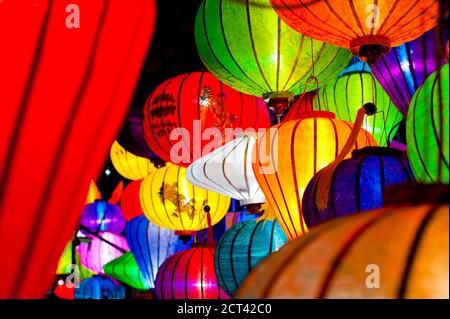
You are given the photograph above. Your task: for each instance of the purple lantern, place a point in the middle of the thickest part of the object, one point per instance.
(407, 66)
(101, 216)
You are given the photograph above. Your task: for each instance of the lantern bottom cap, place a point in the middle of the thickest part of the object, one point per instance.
(371, 47)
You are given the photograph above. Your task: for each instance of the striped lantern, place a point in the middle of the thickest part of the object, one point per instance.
(126, 270)
(427, 129)
(129, 165)
(99, 287)
(248, 47)
(302, 103)
(170, 201)
(188, 116)
(358, 184)
(228, 171)
(64, 91)
(243, 247)
(399, 251)
(101, 216)
(403, 70)
(283, 169)
(150, 245)
(189, 274)
(348, 93)
(129, 202)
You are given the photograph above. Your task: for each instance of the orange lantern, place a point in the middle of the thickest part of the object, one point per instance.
(283, 170)
(368, 28)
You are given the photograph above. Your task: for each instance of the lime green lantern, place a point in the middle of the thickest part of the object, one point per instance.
(427, 129)
(346, 94)
(247, 46)
(65, 261)
(126, 270)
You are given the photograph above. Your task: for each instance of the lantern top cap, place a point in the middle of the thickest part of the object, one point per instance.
(378, 151)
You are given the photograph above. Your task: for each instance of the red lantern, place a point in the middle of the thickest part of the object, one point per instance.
(64, 93)
(196, 102)
(302, 103)
(130, 203)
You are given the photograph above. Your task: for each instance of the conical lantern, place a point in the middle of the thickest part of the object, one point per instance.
(248, 47)
(368, 28)
(348, 93)
(283, 169)
(228, 171)
(170, 201)
(427, 129)
(129, 202)
(66, 260)
(126, 270)
(68, 73)
(102, 216)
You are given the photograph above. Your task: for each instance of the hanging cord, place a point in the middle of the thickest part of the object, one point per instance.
(211, 240)
(87, 230)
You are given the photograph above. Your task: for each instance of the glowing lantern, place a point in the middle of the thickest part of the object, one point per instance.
(348, 93)
(130, 203)
(65, 261)
(248, 47)
(234, 218)
(64, 291)
(399, 251)
(283, 169)
(242, 248)
(102, 216)
(368, 28)
(129, 165)
(150, 245)
(184, 114)
(126, 270)
(99, 287)
(228, 171)
(98, 252)
(189, 275)
(406, 67)
(84, 272)
(170, 201)
(59, 85)
(428, 115)
(302, 103)
(358, 184)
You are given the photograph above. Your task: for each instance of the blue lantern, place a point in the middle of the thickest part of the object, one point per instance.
(99, 287)
(101, 216)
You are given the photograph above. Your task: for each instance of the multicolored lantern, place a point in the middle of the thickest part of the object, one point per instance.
(65, 91)
(302, 103)
(427, 129)
(399, 251)
(368, 28)
(129, 202)
(404, 69)
(129, 165)
(358, 184)
(283, 169)
(248, 47)
(126, 270)
(101, 250)
(150, 245)
(189, 275)
(243, 247)
(170, 201)
(188, 116)
(100, 287)
(102, 216)
(348, 93)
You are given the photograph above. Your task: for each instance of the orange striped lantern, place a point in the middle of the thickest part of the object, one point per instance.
(130, 203)
(283, 169)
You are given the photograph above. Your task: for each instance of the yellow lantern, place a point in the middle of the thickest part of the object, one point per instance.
(170, 201)
(129, 165)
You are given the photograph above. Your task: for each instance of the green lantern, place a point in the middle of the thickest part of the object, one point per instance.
(247, 46)
(65, 261)
(350, 92)
(126, 270)
(425, 145)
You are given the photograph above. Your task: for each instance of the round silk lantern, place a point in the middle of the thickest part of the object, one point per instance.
(188, 116)
(129, 165)
(126, 270)
(406, 67)
(302, 103)
(348, 93)
(102, 216)
(283, 169)
(129, 202)
(150, 245)
(358, 184)
(243, 247)
(368, 28)
(67, 78)
(189, 275)
(99, 287)
(399, 251)
(427, 129)
(248, 47)
(97, 253)
(170, 201)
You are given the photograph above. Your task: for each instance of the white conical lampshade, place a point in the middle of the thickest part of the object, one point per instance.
(228, 170)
